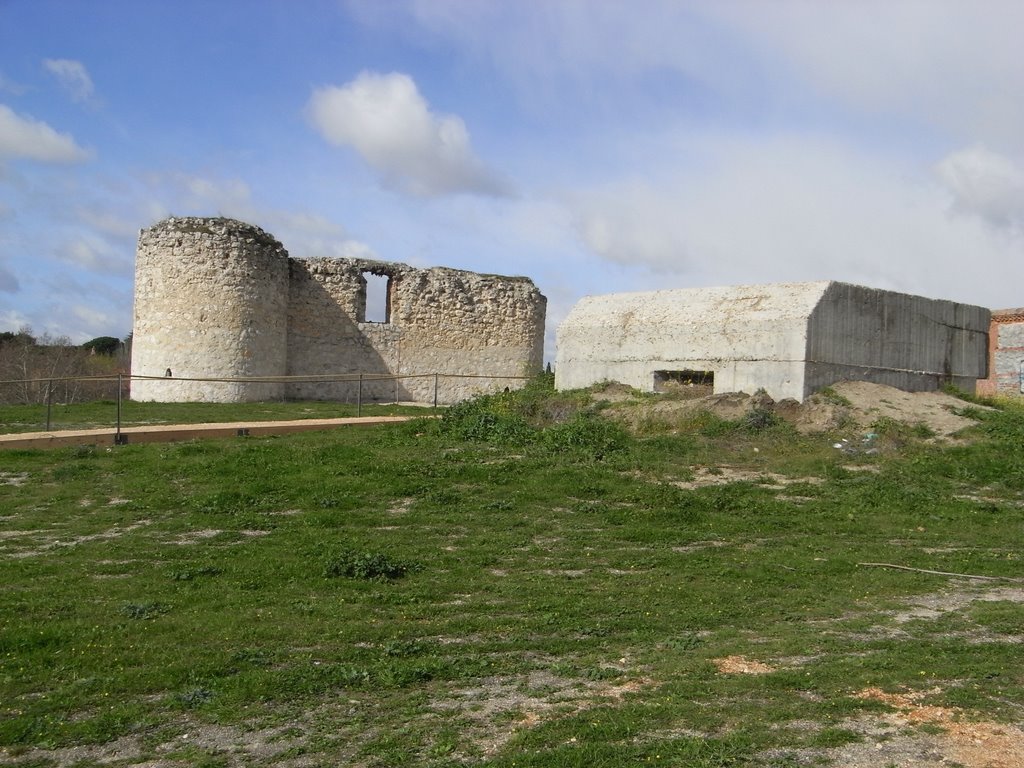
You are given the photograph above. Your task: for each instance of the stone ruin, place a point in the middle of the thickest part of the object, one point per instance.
(218, 298)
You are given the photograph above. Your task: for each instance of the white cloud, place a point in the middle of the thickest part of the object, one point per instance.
(108, 222)
(946, 66)
(91, 322)
(13, 320)
(24, 137)
(589, 42)
(227, 197)
(941, 63)
(95, 254)
(985, 184)
(73, 78)
(307, 235)
(386, 120)
(798, 209)
(183, 194)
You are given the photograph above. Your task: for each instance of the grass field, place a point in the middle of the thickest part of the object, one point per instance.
(103, 413)
(522, 583)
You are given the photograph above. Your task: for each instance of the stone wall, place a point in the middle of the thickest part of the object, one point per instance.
(216, 297)
(1006, 354)
(211, 300)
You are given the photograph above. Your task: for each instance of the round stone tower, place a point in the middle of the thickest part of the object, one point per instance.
(211, 301)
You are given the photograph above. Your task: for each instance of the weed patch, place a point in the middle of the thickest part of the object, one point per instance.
(371, 566)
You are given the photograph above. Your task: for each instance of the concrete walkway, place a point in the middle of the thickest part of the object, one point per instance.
(171, 432)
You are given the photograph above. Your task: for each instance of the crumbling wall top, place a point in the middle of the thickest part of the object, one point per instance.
(214, 226)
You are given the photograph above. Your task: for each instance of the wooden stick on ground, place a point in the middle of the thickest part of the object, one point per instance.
(940, 573)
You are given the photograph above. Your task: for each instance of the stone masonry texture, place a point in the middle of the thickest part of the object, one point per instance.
(1006, 354)
(219, 298)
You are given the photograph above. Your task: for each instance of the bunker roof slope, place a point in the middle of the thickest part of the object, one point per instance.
(707, 307)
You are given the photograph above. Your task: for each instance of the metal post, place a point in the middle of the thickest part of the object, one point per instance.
(118, 439)
(49, 402)
(359, 397)
(435, 391)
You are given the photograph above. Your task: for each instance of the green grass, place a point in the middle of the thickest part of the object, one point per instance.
(519, 584)
(103, 413)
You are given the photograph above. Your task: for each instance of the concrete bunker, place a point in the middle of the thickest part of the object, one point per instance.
(789, 339)
(668, 381)
(218, 298)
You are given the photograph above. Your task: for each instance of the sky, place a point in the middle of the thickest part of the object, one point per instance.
(595, 146)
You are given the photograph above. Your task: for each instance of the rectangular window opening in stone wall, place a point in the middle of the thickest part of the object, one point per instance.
(377, 308)
(699, 382)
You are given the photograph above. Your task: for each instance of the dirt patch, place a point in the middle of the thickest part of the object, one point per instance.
(500, 707)
(13, 478)
(849, 405)
(194, 537)
(870, 402)
(962, 742)
(935, 605)
(741, 665)
(613, 392)
(401, 506)
(724, 475)
(39, 549)
(236, 745)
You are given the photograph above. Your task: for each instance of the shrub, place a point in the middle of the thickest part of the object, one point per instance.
(370, 566)
(588, 434)
(488, 419)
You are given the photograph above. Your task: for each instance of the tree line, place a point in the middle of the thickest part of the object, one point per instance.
(37, 369)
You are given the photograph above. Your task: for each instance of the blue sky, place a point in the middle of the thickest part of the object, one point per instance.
(593, 145)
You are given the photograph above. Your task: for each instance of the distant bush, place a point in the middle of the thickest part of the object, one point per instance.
(51, 368)
(103, 345)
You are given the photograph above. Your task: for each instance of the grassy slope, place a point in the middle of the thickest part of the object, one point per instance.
(562, 602)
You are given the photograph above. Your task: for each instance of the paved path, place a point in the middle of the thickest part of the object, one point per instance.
(170, 432)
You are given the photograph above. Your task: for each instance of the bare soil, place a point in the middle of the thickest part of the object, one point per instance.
(849, 405)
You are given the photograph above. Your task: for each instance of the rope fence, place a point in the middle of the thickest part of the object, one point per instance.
(365, 389)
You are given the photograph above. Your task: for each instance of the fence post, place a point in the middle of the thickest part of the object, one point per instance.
(49, 402)
(118, 437)
(359, 397)
(435, 391)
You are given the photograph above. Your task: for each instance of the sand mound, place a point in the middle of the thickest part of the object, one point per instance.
(849, 405)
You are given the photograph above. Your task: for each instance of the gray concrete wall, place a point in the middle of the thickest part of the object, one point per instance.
(789, 339)
(750, 337)
(910, 342)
